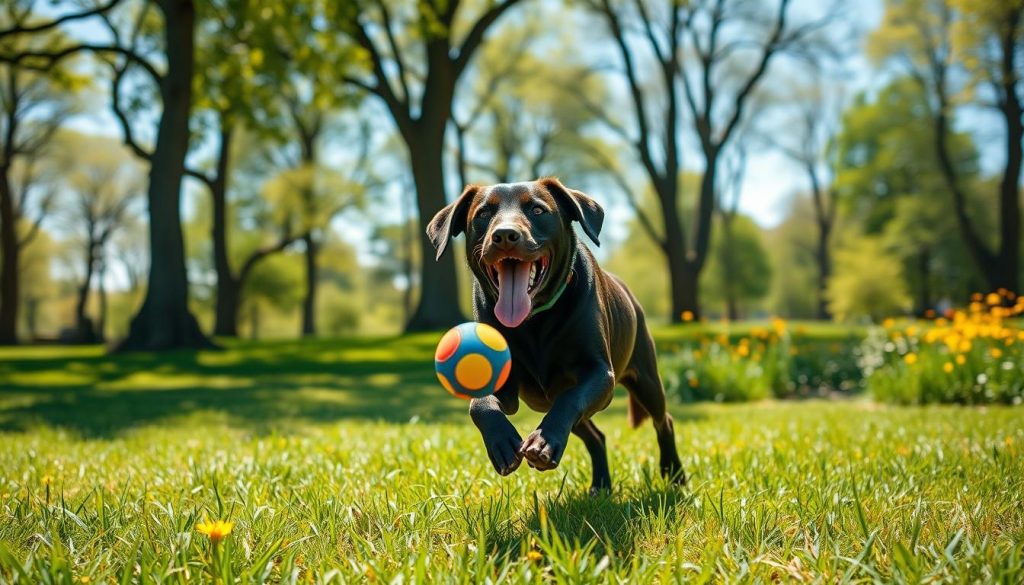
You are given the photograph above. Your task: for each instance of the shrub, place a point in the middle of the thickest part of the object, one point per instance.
(768, 363)
(974, 356)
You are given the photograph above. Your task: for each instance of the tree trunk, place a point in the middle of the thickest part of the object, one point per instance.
(439, 292)
(101, 277)
(824, 262)
(9, 251)
(309, 303)
(732, 312)
(228, 290)
(924, 293)
(84, 331)
(164, 321)
(1007, 268)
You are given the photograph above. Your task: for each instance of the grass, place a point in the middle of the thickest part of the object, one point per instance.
(345, 461)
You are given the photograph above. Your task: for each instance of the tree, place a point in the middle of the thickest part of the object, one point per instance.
(33, 105)
(164, 321)
(715, 84)
(403, 49)
(738, 270)
(953, 49)
(102, 182)
(888, 182)
(867, 281)
(808, 139)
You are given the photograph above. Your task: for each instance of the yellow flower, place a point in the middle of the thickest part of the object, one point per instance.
(888, 323)
(743, 350)
(996, 353)
(687, 316)
(993, 299)
(693, 382)
(534, 556)
(961, 360)
(947, 367)
(371, 575)
(216, 531)
(47, 480)
(910, 358)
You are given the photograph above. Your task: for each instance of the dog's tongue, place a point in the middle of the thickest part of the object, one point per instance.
(513, 296)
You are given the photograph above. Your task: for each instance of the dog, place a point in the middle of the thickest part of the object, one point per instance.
(574, 330)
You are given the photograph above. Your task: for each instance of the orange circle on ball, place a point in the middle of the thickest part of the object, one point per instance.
(473, 372)
(503, 376)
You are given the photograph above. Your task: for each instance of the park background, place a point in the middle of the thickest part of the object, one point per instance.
(218, 302)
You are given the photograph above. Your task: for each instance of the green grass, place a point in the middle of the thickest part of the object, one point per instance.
(346, 461)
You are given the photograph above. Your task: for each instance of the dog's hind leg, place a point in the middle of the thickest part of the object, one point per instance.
(594, 441)
(646, 390)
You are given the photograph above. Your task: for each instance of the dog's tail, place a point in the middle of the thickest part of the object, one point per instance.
(637, 413)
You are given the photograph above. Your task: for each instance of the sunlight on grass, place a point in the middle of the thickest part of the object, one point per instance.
(341, 460)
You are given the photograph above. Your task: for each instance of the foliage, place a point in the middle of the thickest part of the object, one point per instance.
(867, 281)
(971, 357)
(750, 276)
(764, 362)
(307, 449)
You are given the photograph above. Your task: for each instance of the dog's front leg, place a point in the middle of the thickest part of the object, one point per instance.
(501, 439)
(544, 447)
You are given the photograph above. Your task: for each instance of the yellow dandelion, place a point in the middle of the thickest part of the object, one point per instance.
(1008, 441)
(888, 323)
(947, 367)
(215, 530)
(687, 316)
(743, 350)
(910, 359)
(961, 360)
(996, 353)
(534, 556)
(993, 299)
(47, 480)
(371, 575)
(693, 382)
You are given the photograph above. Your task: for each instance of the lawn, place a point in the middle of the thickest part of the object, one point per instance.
(344, 460)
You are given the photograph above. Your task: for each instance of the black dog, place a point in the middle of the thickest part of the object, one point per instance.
(573, 329)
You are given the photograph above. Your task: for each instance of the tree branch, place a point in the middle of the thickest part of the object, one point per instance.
(20, 29)
(476, 34)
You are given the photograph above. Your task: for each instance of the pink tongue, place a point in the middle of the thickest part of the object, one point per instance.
(513, 297)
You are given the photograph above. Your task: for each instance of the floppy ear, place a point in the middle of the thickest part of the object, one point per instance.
(450, 221)
(581, 207)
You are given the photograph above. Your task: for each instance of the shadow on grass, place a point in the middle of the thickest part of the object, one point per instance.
(614, 524)
(261, 387)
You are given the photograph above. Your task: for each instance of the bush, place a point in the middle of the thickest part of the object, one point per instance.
(969, 357)
(768, 363)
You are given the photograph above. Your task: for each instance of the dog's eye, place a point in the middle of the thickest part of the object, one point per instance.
(484, 214)
(538, 209)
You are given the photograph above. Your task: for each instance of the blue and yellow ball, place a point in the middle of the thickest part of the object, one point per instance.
(472, 360)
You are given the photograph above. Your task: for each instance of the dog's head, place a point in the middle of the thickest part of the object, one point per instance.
(519, 239)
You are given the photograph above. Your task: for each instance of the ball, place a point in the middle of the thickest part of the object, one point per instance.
(472, 360)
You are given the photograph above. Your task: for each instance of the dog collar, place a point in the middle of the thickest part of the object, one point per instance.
(558, 293)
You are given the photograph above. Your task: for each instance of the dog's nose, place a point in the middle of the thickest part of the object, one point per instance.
(506, 236)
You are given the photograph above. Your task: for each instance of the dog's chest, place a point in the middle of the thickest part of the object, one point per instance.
(544, 371)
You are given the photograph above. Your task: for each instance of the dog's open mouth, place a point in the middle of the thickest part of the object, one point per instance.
(517, 282)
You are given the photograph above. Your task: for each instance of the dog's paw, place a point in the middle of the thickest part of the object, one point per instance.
(502, 443)
(543, 450)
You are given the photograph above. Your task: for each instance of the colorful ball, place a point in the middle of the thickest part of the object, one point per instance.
(472, 360)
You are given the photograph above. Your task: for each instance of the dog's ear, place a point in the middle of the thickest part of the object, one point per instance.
(450, 221)
(580, 206)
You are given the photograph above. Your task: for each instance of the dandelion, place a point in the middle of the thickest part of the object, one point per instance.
(910, 359)
(215, 530)
(687, 316)
(888, 323)
(693, 382)
(534, 556)
(947, 367)
(743, 350)
(47, 480)
(961, 360)
(996, 353)
(993, 299)
(371, 575)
